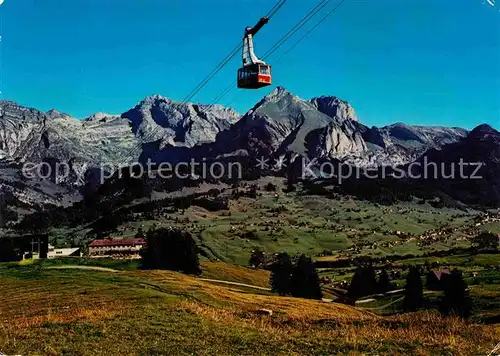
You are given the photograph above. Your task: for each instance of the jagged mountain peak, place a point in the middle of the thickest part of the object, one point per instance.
(177, 123)
(154, 98)
(13, 110)
(325, 126)
(53, 113)
(9, 103)
(278, 93)
(283, 123)
(101, 117)
(157, 100)
(398, 124)
(331, 106)
(334, 107)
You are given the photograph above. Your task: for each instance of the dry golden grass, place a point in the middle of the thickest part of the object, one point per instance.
(428, 331)
(248, 301)
(69, 315)
(354, 326)
(233, 273)
(162, 312)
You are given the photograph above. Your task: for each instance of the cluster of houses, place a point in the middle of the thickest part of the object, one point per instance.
(118, 248)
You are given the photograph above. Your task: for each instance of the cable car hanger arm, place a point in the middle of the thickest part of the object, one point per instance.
(253, 31)
(248, 54)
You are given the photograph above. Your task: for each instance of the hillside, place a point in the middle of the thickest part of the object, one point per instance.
(137, 312)
(229, 222)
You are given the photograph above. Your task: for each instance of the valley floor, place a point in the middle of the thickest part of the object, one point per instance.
(130, 312)
(326, 227)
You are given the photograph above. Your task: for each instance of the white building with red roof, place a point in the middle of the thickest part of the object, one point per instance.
(116, 248)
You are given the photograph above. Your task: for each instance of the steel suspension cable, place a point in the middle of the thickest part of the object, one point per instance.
(319, 6)
(310, 30)
(204, 82)
(230, 56)
(300, 24)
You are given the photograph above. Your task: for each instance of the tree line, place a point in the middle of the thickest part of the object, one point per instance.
(455, 299)
(297, 277)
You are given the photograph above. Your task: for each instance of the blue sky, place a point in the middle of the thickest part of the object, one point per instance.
(427, 62)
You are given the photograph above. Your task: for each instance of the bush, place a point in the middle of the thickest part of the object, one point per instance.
(257, 258)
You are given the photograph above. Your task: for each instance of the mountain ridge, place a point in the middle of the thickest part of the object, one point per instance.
(159, 128)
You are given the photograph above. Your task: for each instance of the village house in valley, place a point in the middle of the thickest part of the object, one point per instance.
(116, 248)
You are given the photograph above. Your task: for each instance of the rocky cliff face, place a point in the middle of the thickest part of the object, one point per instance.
(327, 127)
(400, 143)
(280, 124)
(101, 140)
(334, 107)
(30, 135)
(178, 124)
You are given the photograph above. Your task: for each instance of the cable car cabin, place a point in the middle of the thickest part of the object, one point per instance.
(254, 76)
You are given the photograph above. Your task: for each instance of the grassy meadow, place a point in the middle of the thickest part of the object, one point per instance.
(310, 224)
(131, 312)
(50, 308)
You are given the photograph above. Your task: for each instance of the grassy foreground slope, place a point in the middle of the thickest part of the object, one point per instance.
(56, 311)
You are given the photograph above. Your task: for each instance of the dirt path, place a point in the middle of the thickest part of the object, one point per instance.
(388, 304)
(103, 269)
(248, 286)
(365, 300)
(85, 268)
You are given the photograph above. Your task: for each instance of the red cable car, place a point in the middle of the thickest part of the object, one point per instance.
(255, 73)
(254, 76)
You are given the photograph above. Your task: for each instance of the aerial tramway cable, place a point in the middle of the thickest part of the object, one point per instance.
(299, 25)
(228, 58)
(205, 81)
(310, 30)
(319, 6)
(311, 14)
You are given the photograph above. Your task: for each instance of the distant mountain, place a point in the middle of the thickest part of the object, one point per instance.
(282, 124)
(157, 118)
(279, 125)
(468, 170)
(400, 143)
(30, 135)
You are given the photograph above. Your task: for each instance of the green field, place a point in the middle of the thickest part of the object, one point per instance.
(314, 225)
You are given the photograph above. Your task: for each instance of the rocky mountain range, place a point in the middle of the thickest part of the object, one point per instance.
(281, 124)
(326, 127)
